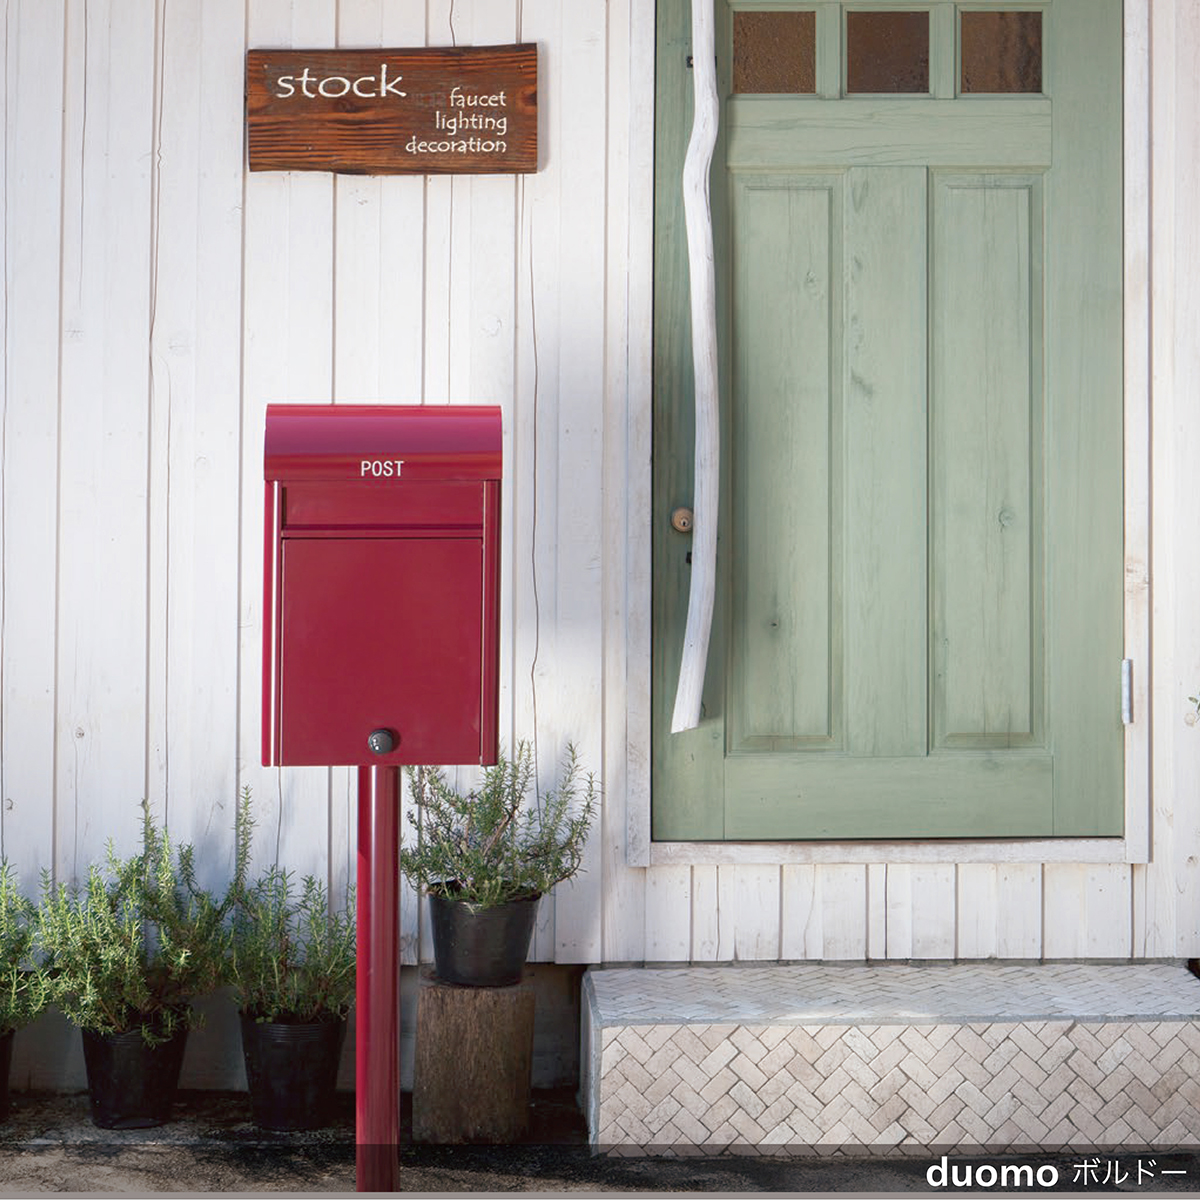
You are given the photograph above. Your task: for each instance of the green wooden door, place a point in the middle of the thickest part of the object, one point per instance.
(919, 619)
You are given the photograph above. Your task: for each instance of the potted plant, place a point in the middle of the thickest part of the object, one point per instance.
(23, 987)
(292, 965)
(127, 954)
(485, 858)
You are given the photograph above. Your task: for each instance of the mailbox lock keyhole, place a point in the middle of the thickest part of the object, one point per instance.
(381, 741)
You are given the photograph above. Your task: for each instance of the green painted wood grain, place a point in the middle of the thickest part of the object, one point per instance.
(885, 355)
(986, 495)
(785, 556)
(772, 133)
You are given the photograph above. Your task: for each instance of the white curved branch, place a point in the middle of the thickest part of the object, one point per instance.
(698, 222)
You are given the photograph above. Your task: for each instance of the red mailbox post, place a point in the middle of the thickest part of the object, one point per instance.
(380, 649)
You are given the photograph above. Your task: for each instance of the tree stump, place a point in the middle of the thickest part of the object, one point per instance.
(474, 1061)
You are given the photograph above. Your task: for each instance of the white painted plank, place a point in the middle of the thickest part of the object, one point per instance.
(801, 910)
(898, 903)
(535, 466)
(829, 912)
(32, 165)
(876, 911)
(1088, 912)
(287, 344)
(439, 241)
(158, 538)
(439, 245)
(379, 324)
(636, 341)
(976, 910)
(751, 898)
(439, 213)
(844, 899)
(1065, 915)
(1109, 907)
(999, 911)
(1181, 442)
(575, 708)
(933, 911)
(668, 929)
(1145, 469)
(102, 598)
(1158, 919)
(195, 401)
(626, 509)
(1137, 464)
(706, 918)
(1019, 910)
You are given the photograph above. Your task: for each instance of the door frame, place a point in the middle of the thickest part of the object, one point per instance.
(1134, 846)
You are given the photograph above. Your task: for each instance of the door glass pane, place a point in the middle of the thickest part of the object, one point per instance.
(1001, 51)
(774, 52)
(887, 52)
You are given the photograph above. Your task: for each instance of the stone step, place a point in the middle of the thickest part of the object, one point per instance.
(892, 1057)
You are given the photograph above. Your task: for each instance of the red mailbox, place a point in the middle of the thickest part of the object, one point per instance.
(380, 648)
(382, 576)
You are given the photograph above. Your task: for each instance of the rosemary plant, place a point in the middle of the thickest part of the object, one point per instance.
(493, 844)
(291, 958)
(24, 989)
(132, 947)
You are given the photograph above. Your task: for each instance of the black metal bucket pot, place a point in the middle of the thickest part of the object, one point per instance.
(132, 1085)
(6, 1046)
(481, 946)
(291, 1071)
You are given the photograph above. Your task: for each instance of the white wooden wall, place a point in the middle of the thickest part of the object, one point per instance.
(157, 297)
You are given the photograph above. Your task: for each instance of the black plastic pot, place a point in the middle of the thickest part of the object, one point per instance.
(132, 1085)
(481, 946)
(291, 1071)
(6, 1045)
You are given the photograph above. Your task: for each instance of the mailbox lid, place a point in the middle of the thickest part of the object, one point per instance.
(382, 442)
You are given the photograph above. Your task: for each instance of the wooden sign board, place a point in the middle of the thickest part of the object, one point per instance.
(446, 110)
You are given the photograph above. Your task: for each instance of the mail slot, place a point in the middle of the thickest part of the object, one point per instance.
(381, 584)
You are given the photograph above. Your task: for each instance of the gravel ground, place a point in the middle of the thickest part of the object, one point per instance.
(49, 1146)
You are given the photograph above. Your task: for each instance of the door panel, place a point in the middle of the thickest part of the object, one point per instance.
(777, 134)
(986, 493)
(787, 544)
(885, 350)
(919, 621)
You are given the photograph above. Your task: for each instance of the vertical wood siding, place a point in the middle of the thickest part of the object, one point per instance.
(157, 297)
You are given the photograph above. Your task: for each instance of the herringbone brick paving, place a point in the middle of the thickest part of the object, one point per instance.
(892, 1056)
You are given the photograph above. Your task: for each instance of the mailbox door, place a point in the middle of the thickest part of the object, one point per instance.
(386, 632)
